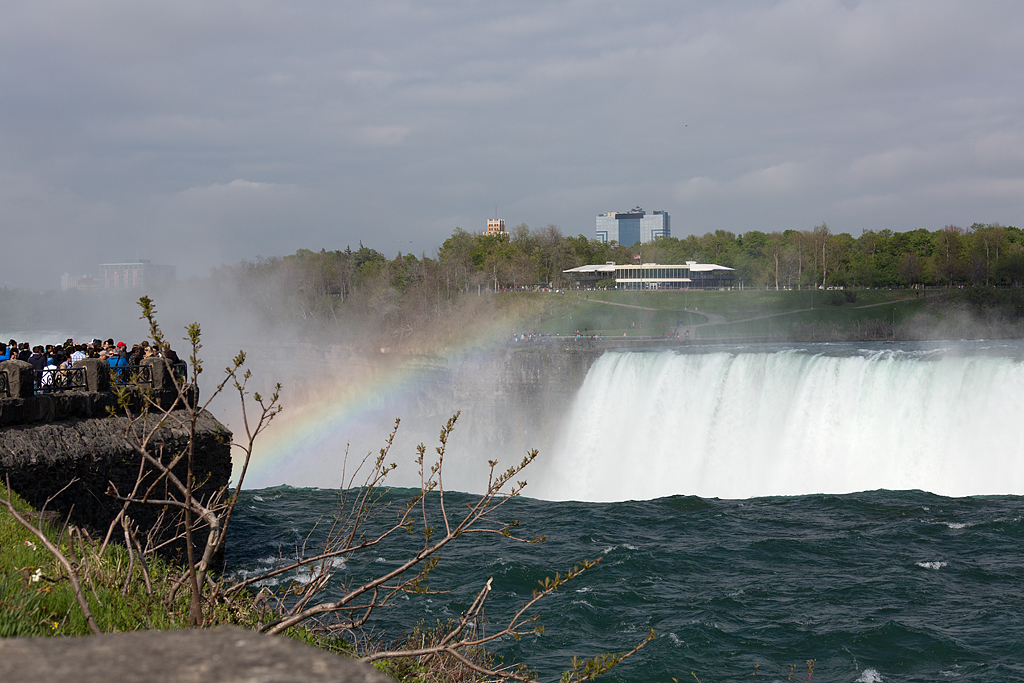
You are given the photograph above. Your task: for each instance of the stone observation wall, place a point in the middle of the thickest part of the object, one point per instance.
(21, 404)
(49, 440)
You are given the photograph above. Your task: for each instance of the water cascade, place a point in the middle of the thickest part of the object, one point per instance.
(739, 425)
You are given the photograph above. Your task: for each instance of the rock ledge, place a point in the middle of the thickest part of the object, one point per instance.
(223, 655)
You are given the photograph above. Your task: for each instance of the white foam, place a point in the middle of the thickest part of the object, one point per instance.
(870, 676)
(610, 548)
(646, 425)
(302, 575)
(932, 565)
(958, 525)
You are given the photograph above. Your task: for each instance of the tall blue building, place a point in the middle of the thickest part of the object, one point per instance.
(633, 226)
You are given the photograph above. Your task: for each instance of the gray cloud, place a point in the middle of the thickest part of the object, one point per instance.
(201, 133)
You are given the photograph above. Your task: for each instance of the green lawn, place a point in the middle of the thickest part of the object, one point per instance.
(598, 318)
(737, 305)
(862, 323)
(746, 312)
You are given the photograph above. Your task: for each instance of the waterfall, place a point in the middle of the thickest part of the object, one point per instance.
(738, 425)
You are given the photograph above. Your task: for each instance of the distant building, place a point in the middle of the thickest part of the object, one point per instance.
(495, 226)
(692, 275)
(633, 226)
(88, 283)
(135, 275)
(82, 283)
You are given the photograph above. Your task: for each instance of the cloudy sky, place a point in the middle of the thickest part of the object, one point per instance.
(198, 133)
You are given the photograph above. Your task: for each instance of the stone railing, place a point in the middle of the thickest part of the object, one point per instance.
(85, 390)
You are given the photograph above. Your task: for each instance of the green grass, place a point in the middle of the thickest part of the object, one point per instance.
(36, 597)
(820, 323)
(748, 313)
(736, 305)
(597, 318)
(46, 605)
(27, 607)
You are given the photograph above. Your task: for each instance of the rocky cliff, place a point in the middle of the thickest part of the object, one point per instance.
(41, 459)
(69, 450)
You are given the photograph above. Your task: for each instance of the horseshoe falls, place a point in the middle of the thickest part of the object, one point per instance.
(835, 419)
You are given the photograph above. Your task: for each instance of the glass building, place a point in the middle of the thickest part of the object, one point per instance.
(633, 226)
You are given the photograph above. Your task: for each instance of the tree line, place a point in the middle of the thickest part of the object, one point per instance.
(405, 294)
(983, 254)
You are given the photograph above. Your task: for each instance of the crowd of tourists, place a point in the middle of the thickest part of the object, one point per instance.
(49, 357)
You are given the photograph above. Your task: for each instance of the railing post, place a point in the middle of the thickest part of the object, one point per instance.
(161, 372)
(21, 378)
(97, 373)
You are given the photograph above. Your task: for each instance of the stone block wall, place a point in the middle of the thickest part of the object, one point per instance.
(41, 459)
(85, 437)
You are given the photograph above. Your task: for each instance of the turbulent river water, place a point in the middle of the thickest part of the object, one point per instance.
(857, 505)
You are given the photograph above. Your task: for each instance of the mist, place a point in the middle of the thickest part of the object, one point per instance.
(345, 379)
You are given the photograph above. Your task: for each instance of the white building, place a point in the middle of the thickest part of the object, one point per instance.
(692, 275)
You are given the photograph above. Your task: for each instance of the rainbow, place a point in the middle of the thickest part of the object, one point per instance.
(305, 445)
(320, 428)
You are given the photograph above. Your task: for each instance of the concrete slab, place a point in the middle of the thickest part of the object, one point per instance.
(221, 655)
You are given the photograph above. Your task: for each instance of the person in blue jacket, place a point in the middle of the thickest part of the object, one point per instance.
(119, 364)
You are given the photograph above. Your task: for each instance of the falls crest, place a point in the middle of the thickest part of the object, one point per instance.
(645, 425)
